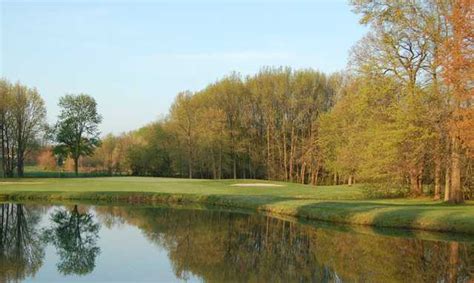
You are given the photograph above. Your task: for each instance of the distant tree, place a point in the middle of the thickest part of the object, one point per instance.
(105, 153)
(46, 159)
(150, 156)
(77, 128)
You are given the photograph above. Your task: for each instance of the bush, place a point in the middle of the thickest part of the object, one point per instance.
(385, 190)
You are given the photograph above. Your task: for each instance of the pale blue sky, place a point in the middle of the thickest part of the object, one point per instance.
(135, 56)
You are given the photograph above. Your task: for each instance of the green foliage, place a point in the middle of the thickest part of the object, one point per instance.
(263, 126)
(385, 191)
(22, 120)
(151, 157)
(77, 127)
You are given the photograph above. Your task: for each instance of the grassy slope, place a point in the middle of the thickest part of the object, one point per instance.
(332, 203)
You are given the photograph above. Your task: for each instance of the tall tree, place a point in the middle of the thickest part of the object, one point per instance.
(228, 94)
(458, 65)
(7, 129)
(22, 117)
(29, 115)
(401, 44)
(183, 118)
(77, 127)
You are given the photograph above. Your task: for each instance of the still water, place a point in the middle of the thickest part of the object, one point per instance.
(72, 243)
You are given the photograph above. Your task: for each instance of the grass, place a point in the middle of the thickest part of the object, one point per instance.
(38, 172)
(340, 204)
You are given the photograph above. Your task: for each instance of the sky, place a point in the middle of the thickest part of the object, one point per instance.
(133, 57)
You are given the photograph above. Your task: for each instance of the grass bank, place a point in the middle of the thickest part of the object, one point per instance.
(339, 204)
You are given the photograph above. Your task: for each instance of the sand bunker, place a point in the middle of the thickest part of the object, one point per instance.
(256, 185)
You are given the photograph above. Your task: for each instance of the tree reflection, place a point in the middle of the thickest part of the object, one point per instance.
(221, 247)
(75, 235)
(21, 248)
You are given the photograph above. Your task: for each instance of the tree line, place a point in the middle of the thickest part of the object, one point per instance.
(263, 126)
(400, 115)
(23, 128)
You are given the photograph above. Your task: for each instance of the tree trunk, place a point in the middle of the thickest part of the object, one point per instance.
(220, 161)
(20, 159)
(269, 175)
(415, 184)
(303, 168)
(214, 168)
(285, 158)
(447, 183)
(9, 153)
(314, 176)
(315, 173)
(456, 195)
(251, 173)
(280, 165)
(349, 181)
(437, 176)
(76, 166)
(12, 162)
(234, 165)
(292, 156)
(2, 141)
(420, 181)
(190, 170)
(20, 165)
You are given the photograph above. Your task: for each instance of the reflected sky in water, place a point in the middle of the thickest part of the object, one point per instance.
(77, 243)
(125, 255)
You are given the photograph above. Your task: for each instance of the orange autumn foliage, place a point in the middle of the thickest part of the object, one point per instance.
(46, 160)
(458, 63)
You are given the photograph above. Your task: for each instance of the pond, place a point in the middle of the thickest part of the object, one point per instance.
(72, 243)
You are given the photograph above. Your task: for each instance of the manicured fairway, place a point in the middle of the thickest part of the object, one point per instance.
(341, 204)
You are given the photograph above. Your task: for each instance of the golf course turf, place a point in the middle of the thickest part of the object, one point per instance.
(339, 204)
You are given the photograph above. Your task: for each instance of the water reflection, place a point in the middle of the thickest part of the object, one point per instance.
(218, 246)
(21, 248)
(74, 234)
(222, 247)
